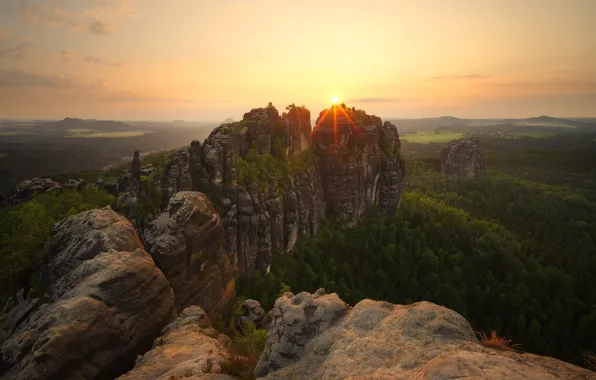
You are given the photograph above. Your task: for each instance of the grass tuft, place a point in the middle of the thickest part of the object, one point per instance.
(496, 342)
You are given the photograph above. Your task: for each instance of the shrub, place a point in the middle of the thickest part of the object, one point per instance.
(496, 342)
(25, 229)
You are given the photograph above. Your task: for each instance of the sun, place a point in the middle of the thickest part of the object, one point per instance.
(334, 99)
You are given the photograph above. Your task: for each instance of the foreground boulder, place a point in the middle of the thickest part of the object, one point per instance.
(187, 243)
(105, 303)
(188, 348)
(317, 336)
(462, 158)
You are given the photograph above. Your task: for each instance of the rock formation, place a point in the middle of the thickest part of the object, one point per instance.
(135, 171)
(337, 171)
(359, 162)
(74, 184)
(187, 244)
(105, 301)
(462, 158)
(297, 122)
(176, 176)
(188, 348)
(29, 188)
(317, 336)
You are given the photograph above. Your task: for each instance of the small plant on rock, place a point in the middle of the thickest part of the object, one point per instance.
(496, 342)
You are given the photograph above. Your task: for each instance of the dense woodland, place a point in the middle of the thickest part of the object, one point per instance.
(513, 252)
(511, 255)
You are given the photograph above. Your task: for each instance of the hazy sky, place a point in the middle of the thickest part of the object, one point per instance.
(212, 59)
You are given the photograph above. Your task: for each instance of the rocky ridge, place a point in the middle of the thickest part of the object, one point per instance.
(272, 179)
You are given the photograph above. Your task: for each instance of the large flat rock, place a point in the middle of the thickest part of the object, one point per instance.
(318, 337)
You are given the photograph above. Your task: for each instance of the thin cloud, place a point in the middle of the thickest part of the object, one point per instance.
(129, 97)
(374, 100)
(19, 51)
(97, 60)
(100, 27)
(4, 34)
(67, 55)
(21, 78)
(511, 84)
(93, 20)
(94, 60)
(462, 77)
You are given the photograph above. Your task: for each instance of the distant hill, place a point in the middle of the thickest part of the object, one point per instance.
(96, 125)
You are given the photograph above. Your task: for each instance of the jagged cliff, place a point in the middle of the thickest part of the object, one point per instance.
(272, 178)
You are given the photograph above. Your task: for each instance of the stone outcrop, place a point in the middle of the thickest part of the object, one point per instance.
(297, 122)
(319, 337)
(32, 187)
(252, 310)
(359, 163)
(176, 176)
(462, 158)
(339, 171)
(104, 304)
(74, 184)
(187, 244)
(135, 171)
(188, 348)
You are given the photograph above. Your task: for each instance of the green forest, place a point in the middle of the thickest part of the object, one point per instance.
(509, 254)
(513, 252)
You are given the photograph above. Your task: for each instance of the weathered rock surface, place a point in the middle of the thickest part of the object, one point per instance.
(31, 187)
(462, 158)
(105, 302)
(319, 337)
(176, 176)
(360, 164)
(252, 310)
(343, 171)
(187, 244)
(188, 348)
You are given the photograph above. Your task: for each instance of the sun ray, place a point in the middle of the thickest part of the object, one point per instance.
(357, 128)
(321, 119)
(335, 125)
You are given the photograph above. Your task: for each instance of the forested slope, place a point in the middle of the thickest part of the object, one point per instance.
(509, 254)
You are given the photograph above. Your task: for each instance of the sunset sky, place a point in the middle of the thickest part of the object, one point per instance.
(212, 59)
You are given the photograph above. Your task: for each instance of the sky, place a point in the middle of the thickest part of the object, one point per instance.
(214, 59)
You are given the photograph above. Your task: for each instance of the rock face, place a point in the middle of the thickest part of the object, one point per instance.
(462, 158)
(340, 172)
(187, 244)
(176, 176)
(105, 302)
(29, 188)
(319, 337)
(360, 164)
(188, 348)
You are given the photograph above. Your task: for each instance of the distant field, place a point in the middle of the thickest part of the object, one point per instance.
(110, 135)
(77, 131)
(544, 124)
(540, 135)
(14, 133)
(425, 137)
